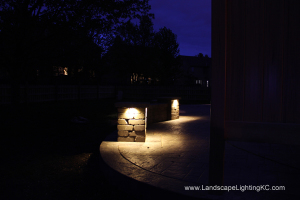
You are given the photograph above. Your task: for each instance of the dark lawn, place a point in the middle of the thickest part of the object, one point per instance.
(47, 156)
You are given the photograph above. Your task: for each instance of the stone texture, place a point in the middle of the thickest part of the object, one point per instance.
(174, 116)
(139, 127)
(132, 133)
(126, 139)
(175, 112)
(140, 139)
(134, 126)
(126, 123)
(140, 116)
(141, 133)
(137, 133)
(140, 110)
(136, 121)
(125, 127)
(123, 133)
(122, 121)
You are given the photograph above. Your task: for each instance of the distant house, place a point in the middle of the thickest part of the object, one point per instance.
(195, 71)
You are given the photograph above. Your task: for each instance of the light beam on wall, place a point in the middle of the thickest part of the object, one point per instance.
(131, 113)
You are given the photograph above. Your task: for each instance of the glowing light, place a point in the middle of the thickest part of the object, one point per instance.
(131, 113)
(175, 103)
(66, 71)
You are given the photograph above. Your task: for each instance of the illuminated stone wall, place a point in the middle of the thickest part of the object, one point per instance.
(174, 109)
(167, 109)
(133, 117)
(132, 122)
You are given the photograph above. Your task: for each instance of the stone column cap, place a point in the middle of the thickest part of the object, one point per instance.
(132, 104)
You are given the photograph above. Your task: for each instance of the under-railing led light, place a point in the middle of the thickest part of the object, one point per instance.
(131, 113)
(175, 103)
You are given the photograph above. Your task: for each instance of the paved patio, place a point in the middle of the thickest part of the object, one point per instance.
(176, 154)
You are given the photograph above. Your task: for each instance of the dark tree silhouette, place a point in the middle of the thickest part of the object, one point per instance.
(200, 55)
(139, 50)
(131, 50)
(40, 32)
(167, 48)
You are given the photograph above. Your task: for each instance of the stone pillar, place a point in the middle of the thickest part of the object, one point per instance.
(172, 106)
(132, 121)
(174, 109)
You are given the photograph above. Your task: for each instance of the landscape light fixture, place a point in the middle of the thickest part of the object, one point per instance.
(132, 121)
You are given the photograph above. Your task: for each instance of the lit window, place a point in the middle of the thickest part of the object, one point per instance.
(65, 71)
(199, 82)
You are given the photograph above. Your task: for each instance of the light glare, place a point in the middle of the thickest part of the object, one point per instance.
(175, 103)
(131, 113)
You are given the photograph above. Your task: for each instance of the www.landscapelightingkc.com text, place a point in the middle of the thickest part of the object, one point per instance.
(241, 188)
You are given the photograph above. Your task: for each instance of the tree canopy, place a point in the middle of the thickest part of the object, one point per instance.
(35, 32)
(40, 34)
(139, 50)
(200, 55)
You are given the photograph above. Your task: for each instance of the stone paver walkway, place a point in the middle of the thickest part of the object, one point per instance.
(176, 154)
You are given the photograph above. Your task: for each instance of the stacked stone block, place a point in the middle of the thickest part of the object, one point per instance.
(174, 109)
(132, 124)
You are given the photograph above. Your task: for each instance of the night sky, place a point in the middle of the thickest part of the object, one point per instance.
(190, 20)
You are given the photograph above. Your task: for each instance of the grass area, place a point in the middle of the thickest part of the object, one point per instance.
(46, 155)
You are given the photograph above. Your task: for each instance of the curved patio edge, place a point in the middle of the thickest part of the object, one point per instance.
(139, 182)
